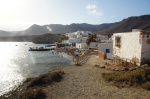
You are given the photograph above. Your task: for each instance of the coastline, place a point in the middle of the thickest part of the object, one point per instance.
(82, 82)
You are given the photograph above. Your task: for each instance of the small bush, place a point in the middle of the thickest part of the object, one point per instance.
(46, 79)
(33, 94)
(26, 94)
(136, 77)
(146, 85)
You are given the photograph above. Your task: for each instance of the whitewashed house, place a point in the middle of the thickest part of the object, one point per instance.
(78, 37)
(105, 50)
(82, 44)
(102, 37)
(105, 47)
(82, 37)
(132, 47)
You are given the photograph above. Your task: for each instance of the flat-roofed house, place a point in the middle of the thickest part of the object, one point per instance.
(132, 47)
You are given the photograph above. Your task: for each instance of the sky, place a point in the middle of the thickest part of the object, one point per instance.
(17, 15)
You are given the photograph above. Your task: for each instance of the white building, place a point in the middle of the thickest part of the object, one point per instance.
(77, 37)
(105, 50)
(81, 45)
(133, 47)
(102, 37)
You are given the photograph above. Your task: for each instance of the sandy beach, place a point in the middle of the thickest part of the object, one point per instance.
(86, 82)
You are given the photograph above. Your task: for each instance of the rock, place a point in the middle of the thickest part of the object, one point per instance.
(113, 69)
(77, 65)
(122, 69)
(97, 66)
(107, 68)
(102, 66)
(116, 69)
(145, 65)
(136, 67)
(126, 69)
(131, 69)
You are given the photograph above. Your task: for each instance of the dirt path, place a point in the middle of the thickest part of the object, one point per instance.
(86, 82)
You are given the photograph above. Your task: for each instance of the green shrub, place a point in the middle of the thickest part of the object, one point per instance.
(136, 77)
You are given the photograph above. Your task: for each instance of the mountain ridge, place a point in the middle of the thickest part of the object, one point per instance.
(125, 25)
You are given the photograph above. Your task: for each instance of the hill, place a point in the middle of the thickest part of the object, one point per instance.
(126, 25)
(45, 39)
(58, 28)
(5, 33)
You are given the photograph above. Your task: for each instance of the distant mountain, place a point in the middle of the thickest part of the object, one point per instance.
(137, 22)
(126, 25)
(35, 30)
(4, 33)
(58, 28)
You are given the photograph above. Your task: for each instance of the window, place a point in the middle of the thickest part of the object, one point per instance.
(118, 41)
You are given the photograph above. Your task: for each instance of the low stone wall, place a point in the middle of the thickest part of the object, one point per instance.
(102, 55)
(125, 62)
(78, 58)
(83, 58)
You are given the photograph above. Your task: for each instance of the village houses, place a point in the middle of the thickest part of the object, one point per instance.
(132, 47)
(78, 37)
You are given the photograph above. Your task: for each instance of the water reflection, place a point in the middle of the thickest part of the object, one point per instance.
(17, 63)
(8, 76)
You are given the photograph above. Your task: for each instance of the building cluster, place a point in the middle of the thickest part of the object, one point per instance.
(132, 47)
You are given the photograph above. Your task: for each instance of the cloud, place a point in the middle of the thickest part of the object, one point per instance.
(92, 9)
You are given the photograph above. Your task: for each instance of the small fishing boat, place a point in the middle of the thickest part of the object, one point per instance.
(51, 47)
(39, 49)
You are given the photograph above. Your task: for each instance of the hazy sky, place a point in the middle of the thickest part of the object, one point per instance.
(20, 14)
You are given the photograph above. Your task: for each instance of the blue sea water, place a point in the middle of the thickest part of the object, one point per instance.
(17, 63)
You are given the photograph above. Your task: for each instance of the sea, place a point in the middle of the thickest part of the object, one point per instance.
(18, 63)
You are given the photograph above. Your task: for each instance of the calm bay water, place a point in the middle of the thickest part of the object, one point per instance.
(17, 63)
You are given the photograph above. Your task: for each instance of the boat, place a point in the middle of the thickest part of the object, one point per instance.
(39, 49)
(52, 46)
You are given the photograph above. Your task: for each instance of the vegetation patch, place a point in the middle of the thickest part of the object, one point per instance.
(27, 94)
(33, 94)
(139, 77)
(45, 79)
(31, 88)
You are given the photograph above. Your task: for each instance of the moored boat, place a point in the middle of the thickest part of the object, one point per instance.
(39, 49)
